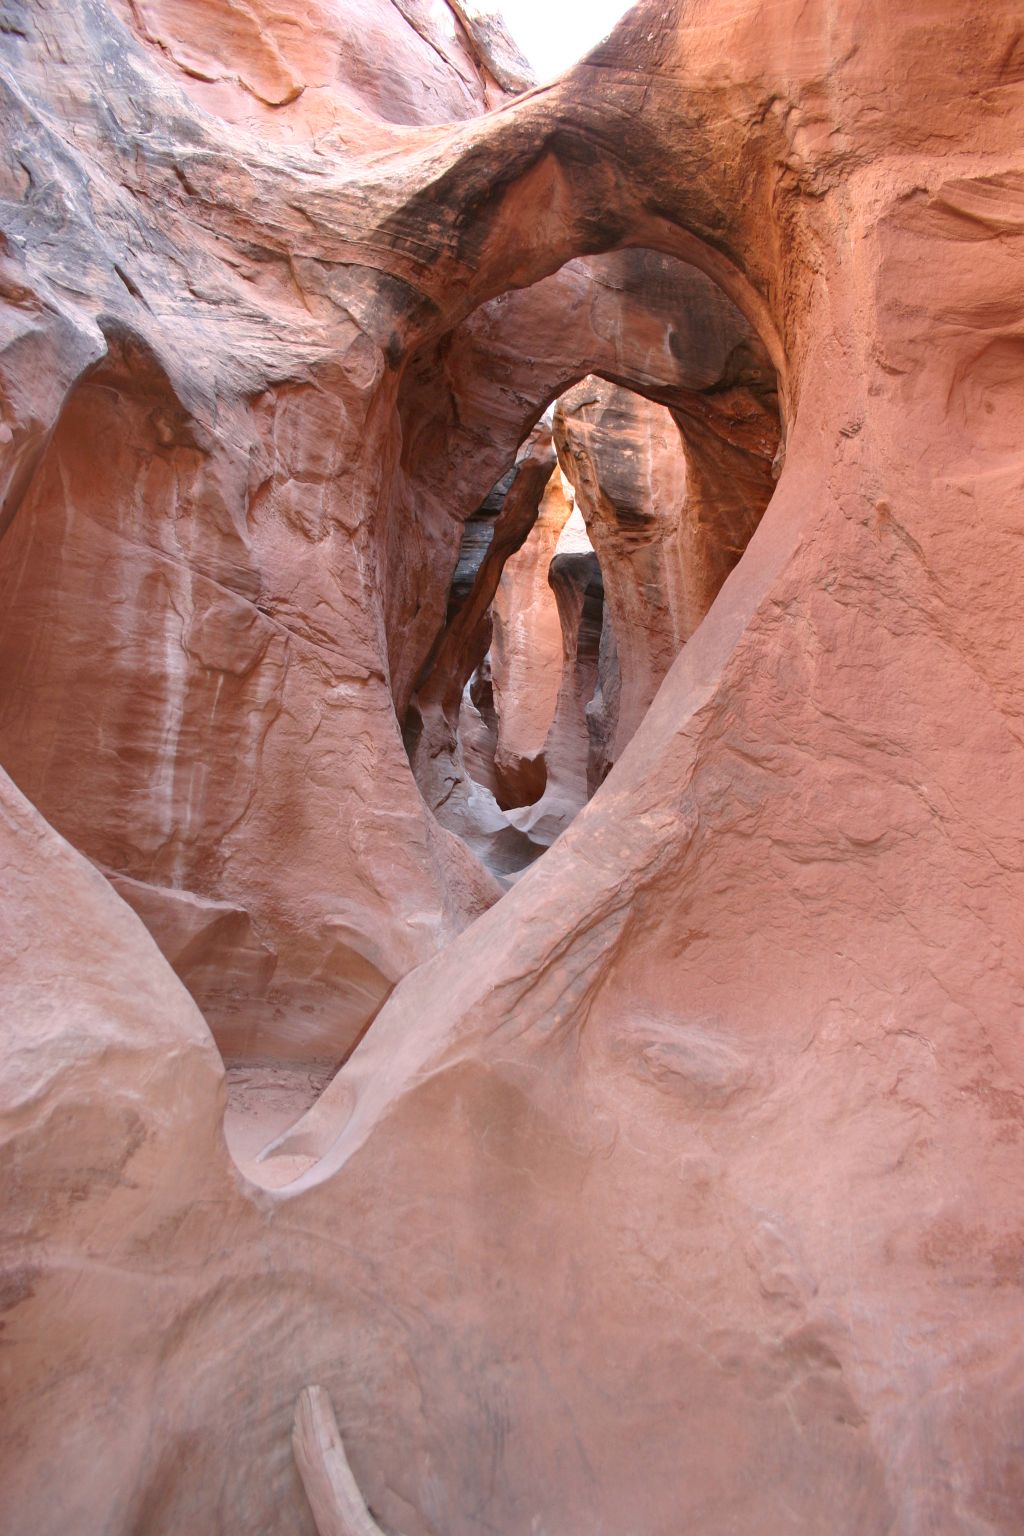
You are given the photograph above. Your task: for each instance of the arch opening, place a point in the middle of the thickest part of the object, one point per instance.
(632, 415)
(593, 452)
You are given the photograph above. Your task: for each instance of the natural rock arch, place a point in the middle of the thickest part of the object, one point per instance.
(646, 321)
(682, 1187)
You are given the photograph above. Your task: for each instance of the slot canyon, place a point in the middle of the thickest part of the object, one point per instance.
(512, 734)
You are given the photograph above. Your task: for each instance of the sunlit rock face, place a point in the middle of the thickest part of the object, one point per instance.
(526, 656)
(574, 578)
(678, 1188)
(627, 462)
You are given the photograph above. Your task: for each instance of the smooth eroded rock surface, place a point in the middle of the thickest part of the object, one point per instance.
(678, 1189)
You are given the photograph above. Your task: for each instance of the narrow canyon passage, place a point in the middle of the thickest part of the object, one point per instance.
(537, 684)
(511, 874)
(534, 683)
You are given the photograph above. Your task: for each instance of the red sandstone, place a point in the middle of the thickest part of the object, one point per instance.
(677, 1187)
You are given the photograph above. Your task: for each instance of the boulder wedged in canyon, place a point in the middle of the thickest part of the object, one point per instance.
(681, 1189)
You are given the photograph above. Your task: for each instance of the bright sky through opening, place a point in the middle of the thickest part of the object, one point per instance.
(555, 33)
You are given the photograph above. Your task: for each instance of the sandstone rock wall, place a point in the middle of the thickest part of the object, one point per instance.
(527, 654)
(574, 576)
(216, 720)
(681, 1189)
(194, 685)
(627, 464)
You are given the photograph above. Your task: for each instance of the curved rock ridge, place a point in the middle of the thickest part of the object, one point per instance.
(680, 1188)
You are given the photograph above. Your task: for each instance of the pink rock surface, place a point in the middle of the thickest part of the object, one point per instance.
(326, 72)
(638, 317)
(526, 655)
(574, 576)
(681, 1189)
(626, 460)
(179, 710)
